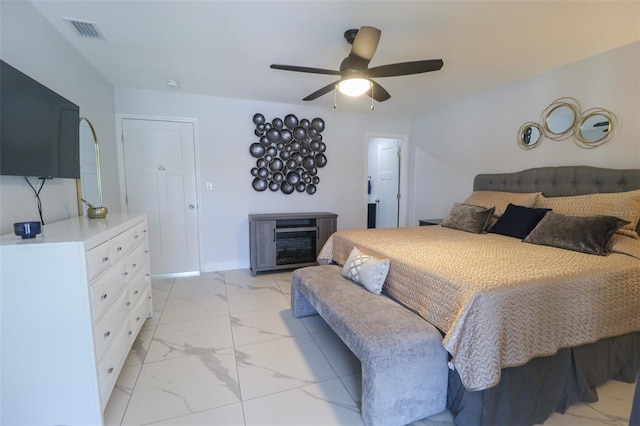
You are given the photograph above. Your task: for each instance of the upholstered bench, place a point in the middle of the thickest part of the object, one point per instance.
(404, 365)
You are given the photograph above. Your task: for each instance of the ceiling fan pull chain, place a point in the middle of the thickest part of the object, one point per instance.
(335, 97)
(372, 108)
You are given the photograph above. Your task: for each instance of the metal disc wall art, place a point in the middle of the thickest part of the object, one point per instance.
(288, 154)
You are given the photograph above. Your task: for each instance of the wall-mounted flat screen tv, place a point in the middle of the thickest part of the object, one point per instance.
(39, 129)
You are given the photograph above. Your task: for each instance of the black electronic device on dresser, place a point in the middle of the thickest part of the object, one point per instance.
(39, 129)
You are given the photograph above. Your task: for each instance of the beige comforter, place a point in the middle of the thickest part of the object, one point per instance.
(502, 302)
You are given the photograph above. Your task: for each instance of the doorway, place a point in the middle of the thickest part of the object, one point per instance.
(159, 178)
(384, 182)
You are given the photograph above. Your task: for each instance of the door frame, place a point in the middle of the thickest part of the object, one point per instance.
(403, 175)
(196, 153)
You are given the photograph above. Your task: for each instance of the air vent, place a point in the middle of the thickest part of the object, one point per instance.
(85, 29)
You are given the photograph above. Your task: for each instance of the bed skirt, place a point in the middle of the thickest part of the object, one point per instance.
(529, 394)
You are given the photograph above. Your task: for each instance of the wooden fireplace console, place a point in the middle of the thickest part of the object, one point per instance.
(288, 240)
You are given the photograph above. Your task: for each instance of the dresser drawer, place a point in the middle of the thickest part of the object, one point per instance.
(105, 331)
(138, 260)
(98, 259)
(142, 230)
(122, 243)
(137, 287)
(110, 366)
(104, 291)
(140, 312)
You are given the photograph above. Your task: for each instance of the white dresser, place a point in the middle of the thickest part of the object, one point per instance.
(72, 303)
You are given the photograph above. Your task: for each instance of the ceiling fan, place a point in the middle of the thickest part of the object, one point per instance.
(354, 69)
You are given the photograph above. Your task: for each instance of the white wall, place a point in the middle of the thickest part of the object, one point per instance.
(448, 146)
(225, 131)
(29, 43)
(478, 134)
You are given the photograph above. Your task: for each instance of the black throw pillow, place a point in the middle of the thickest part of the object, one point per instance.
(518, 221)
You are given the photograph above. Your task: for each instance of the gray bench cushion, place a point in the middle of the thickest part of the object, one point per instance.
(404, 366)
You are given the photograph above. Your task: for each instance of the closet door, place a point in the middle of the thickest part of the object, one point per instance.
(159, 159)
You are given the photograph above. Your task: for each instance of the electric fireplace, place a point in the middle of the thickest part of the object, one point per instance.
(288, 240)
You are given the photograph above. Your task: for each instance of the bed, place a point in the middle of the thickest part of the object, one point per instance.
(530, 328)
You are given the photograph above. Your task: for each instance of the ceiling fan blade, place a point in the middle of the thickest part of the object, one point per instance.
(379, 93)
(320, 92)
(406, 68)
(366, 43)
(304, 69)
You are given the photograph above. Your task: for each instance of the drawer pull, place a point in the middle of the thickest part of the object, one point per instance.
(149, 297)
(144, 231)
(130, 332)
(110, 370)
(135, 292)
(146, 251)
(119, 249)
(107, 334)
(104, 296)
(137, 236)
(138, 319)
(126, 273)
(134, 265)
(105, 259)
(128, 303)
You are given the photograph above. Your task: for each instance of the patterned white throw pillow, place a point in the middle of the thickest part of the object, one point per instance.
(366, 270)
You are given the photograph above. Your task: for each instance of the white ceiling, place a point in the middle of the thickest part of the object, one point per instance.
(224, 48)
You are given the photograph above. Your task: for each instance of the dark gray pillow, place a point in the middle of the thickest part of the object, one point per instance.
(589, 234)
(467, 217)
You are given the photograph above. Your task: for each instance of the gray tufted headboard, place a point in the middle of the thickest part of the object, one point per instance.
(561, 181)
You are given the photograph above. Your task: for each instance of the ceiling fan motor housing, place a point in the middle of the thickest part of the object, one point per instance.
(354, 64)
(350, 35)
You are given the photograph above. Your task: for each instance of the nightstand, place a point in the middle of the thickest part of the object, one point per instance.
(427, 222)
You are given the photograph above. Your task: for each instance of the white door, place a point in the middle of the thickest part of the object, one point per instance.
(388, 183)
(161, 181)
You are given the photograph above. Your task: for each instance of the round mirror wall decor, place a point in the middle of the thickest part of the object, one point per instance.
(595, 127)
(529, 135)
(564, 119)
(288, 154)
(559, 118)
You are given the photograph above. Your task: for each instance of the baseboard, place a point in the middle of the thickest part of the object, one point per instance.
(224, 266)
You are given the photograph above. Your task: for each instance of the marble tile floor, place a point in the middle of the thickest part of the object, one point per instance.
(223, 349)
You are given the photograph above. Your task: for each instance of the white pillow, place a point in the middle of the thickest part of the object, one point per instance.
(366, 270)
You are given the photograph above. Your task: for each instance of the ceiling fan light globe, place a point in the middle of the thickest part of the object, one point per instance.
(354, 86)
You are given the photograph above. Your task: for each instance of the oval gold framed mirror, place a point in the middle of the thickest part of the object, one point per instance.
(89, 185)
(529, 135)
(560, 118)
(596, 127)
